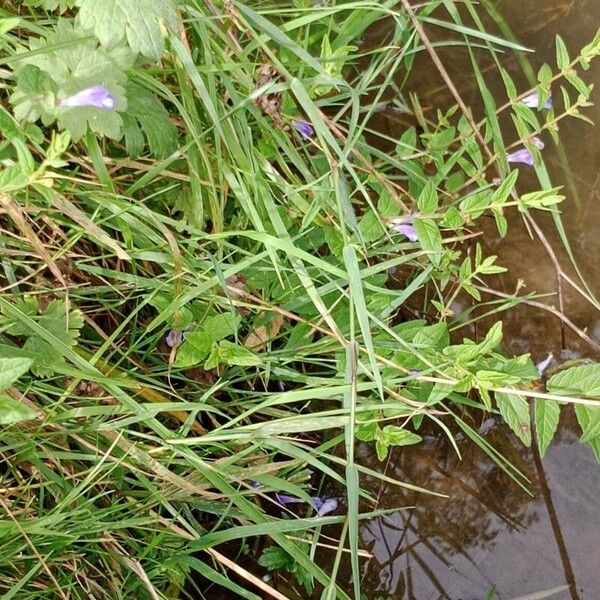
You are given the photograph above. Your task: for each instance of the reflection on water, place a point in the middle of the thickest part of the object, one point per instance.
(488, 532)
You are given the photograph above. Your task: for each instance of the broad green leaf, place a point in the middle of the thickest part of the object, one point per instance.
(59, 326)
(382, 450)
(274, 558)
(547, 414)
(366, 432)
(515, 412)
(195, 349)
(13, 411)
(220, 326)
(490, 379)
(234, 354)
(468, 351)
(545, 74)
(62, 5)
(147, 117)
(576, 381)
(11, 369)
(430, 239)
(34, 96)
(370, 227)
(589, 421)
(453, 219)
(492, 338)
(386, 205)
(591, 50)
(392, 435)
(475, 205)
(65, 62)
(428, 199)
(562, 54)
(438, 392)
(162, 301)
(432, 336)
(521, 367)
(501, 223)
(12, 179)
(142, 23)
(26, 304)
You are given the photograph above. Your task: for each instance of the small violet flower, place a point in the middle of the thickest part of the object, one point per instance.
(544, 364)
(284, 499)
(97, 96)
(533, 101)
(324, 506)
(175, 336)
(404, 227)
(539, 144)
(304, 128)
(523, 155)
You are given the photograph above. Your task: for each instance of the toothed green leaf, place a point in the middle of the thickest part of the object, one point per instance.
(65, 62)
(141, 22)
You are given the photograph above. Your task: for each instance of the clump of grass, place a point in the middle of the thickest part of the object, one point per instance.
(197, 312)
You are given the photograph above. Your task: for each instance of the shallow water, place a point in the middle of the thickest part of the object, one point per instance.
(490, 532)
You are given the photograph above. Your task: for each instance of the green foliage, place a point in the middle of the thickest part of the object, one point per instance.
(61, 5)
(547, 414)
(47, 335)
(308, 320)
(274, 558)
(515, 411)
(68, 60)
(385, 437)
(61, 64)
(11, 410)
(207, 343)
(589, 421)
(576, 381)
(147, 118)
(226, 352)
(142, 23)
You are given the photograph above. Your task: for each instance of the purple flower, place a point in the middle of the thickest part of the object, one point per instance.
(544, 364)
(523, 155)
(255, 484)
(520, 156)
(304, 128)
(97, 96)
(174, 338)
(539, 144)
(405, 227)
(284, 499)
(324, 505)
(533, 101)
(408, 231)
